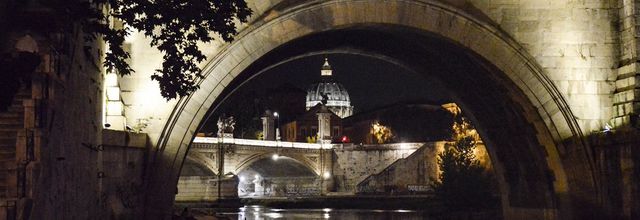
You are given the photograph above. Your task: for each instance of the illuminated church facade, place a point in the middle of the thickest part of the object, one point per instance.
(337, 97)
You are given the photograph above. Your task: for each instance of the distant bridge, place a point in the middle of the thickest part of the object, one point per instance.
(342, 165)
(240, 153)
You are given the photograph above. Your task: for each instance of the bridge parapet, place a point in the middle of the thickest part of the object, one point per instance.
(209, 142)
(203, 142)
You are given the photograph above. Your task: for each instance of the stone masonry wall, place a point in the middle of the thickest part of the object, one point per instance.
(351, 166)
(419, 169)
(205, 188)
(575, 42)
(67, 182)
(626, 99)
(83, 171)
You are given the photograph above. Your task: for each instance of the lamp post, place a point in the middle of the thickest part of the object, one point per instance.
(223, 123)
(275, 114)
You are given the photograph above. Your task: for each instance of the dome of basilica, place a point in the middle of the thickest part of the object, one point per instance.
(337, 97)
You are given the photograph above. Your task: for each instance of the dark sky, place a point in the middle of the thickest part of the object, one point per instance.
(371, 83)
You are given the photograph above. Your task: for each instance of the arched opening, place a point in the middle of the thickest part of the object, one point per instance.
(542, 165)
(496, 106)
(270, 176)
(195, 168)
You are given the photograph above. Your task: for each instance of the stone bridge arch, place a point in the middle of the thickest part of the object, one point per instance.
(204, 161)
(313, 166)
(545, 169)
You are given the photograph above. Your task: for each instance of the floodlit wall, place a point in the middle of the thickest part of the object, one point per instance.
(354, 163)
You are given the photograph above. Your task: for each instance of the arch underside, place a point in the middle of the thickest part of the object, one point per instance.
(531, 134)
(204, 161)
(300, 158)
(198, 166)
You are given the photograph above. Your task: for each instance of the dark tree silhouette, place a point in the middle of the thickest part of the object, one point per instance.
(464, 184)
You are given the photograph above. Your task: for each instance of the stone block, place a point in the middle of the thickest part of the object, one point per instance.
(123, 139)
(628, 83)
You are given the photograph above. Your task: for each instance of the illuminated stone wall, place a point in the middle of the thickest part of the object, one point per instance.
(417, 169)
(626, 99)
(575, 42)
(354, 163)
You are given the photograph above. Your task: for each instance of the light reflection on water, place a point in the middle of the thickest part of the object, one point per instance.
(264, 213)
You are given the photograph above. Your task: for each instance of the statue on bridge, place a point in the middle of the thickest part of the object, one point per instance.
(226, 126)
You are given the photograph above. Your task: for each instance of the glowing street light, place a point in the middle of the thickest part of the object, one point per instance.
(275, 156)
(326, 175)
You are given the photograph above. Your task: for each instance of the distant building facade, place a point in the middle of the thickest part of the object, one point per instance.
(306, 127)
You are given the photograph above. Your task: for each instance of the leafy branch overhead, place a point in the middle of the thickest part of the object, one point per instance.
(175, 27)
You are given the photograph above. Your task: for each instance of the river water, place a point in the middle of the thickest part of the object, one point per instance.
(255, 212)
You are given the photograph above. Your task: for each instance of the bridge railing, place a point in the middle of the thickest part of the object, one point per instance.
(202, 142)
(261, 143)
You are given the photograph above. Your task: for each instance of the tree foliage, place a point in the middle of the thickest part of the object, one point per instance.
(381, 133)
(175, 27)
(463, 183)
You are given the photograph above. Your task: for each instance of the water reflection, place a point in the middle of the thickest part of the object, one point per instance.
(264, 213)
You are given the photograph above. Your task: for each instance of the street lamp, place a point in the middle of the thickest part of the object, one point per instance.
(275, 114)
(326, 175)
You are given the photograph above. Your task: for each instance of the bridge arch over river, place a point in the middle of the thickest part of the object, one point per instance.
(536, 142)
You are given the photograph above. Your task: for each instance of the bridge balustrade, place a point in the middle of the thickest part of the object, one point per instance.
(199, 141)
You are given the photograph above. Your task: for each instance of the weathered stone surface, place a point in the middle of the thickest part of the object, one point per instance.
(353, 165)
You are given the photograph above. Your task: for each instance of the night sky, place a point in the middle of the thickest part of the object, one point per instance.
(371, 83)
